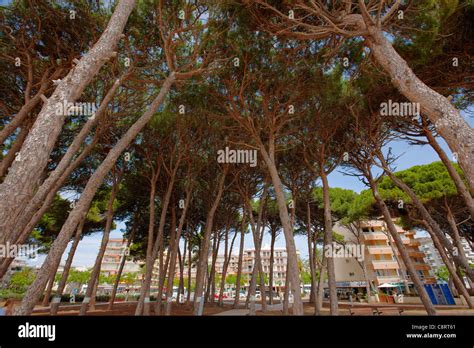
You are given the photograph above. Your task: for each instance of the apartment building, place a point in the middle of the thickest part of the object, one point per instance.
(432, 256)
(381, 258)
(115, 250)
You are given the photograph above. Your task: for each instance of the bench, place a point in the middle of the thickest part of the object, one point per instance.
(362, 311)
(389, 311)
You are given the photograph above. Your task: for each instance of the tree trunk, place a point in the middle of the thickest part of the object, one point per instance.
(293, 274)
(402, 250)
(457, 257)
(103, 245)
(174, 252)
(328, 242)
(49, 289)
(67, 267)
(457, 281)
(446, 118)
(239, 266)
(458, 182)
(87, 195)
(10, 157)
(312, 266)
(157, 244)
(272, 262)
(320, 293)
(23, 176)
(121, 266)
(190, 261)
(210, 291)
(45, 194)
(203, 253)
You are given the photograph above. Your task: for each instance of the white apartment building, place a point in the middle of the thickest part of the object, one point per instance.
(115, 250)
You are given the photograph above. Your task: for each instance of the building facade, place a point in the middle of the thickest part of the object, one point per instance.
(379, 256)
(115, 250)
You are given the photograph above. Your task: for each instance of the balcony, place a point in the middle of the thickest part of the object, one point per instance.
(388, 279)
(422, 266)
(385, 264)
(374, 236)
(416, 253)
(414, 242)
(377, 250)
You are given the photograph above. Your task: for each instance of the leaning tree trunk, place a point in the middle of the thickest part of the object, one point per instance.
(49, 289)
(203, 253)
(157, 245)
(457, 239)
(6, 161)
(402, 250)
(293, 271)
(87, 195)
(67, 267)
(23, 176)
(457, 281)
(446, 118)
(240, 261)
(45, 205)
(45, 194)
(103, 245)
(457, 257)
(224, 270)
(458, 182)
(121, 266)
(174, 252)
(328, 242)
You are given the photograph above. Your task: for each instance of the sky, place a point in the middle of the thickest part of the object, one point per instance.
(410, 156)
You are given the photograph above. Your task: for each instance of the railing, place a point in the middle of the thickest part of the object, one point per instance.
(385, 264)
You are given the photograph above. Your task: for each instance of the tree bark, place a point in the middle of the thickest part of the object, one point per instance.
(272, 262)
(10, 157)
(24, 174)
(457, 281)
(67, 267)
(224, 270)
(103, 245)
(457, 257)
(446, 118)
(121, 266)
(312, 266)
(45, 194)
(458, 182)
(293, 273)
(157, 244)
(82, 205)
(204, 250)
(402, 250)
(328, 241)
(240, 262)
(175, 247)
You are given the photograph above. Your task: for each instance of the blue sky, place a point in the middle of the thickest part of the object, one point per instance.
(410, 156)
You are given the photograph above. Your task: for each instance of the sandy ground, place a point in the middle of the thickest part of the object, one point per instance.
(128, 308)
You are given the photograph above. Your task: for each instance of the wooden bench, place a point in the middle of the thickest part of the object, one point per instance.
(362, 311)
(389, 311)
